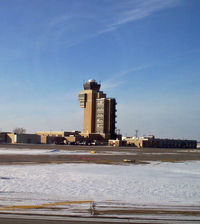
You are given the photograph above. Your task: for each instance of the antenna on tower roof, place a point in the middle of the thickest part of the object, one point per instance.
(136, 133)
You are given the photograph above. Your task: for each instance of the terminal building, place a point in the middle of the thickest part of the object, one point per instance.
(99, 112)
(151, 142)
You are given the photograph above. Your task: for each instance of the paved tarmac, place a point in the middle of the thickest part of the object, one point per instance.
(35, 219)
(102, 155)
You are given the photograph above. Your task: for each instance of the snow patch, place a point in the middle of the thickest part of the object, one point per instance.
(161, 184)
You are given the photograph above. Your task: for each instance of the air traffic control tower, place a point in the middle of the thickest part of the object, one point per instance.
(99, 111)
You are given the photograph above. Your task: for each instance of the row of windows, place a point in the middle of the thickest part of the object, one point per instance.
(100, 120)
(99, 114)
(100, 106)
(100, 102)
(99, 109)
(100, 125)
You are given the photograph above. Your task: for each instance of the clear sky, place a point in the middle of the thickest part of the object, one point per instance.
(146, 53)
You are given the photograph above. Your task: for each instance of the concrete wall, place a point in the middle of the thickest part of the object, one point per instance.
(11, 137)
(51, 133)
(134, 142)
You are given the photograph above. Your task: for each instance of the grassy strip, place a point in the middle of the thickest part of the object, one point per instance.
(17, 207)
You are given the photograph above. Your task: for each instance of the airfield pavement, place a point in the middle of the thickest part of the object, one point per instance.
(102, 155)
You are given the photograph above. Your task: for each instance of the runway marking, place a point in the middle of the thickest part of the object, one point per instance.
(15, 207)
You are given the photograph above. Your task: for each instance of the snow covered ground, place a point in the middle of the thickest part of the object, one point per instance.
(38, 151)
(152, 184)
(55, 151)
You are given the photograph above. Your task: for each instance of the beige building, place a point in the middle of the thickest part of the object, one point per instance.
(58, 137)
(12, 138)
(99, 111)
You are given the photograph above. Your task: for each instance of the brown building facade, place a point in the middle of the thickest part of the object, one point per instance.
(99, 111)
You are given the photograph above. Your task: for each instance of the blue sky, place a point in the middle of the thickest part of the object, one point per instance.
(146, 53)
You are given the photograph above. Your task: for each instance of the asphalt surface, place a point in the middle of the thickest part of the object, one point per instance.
(35, 219)
(102, 155)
